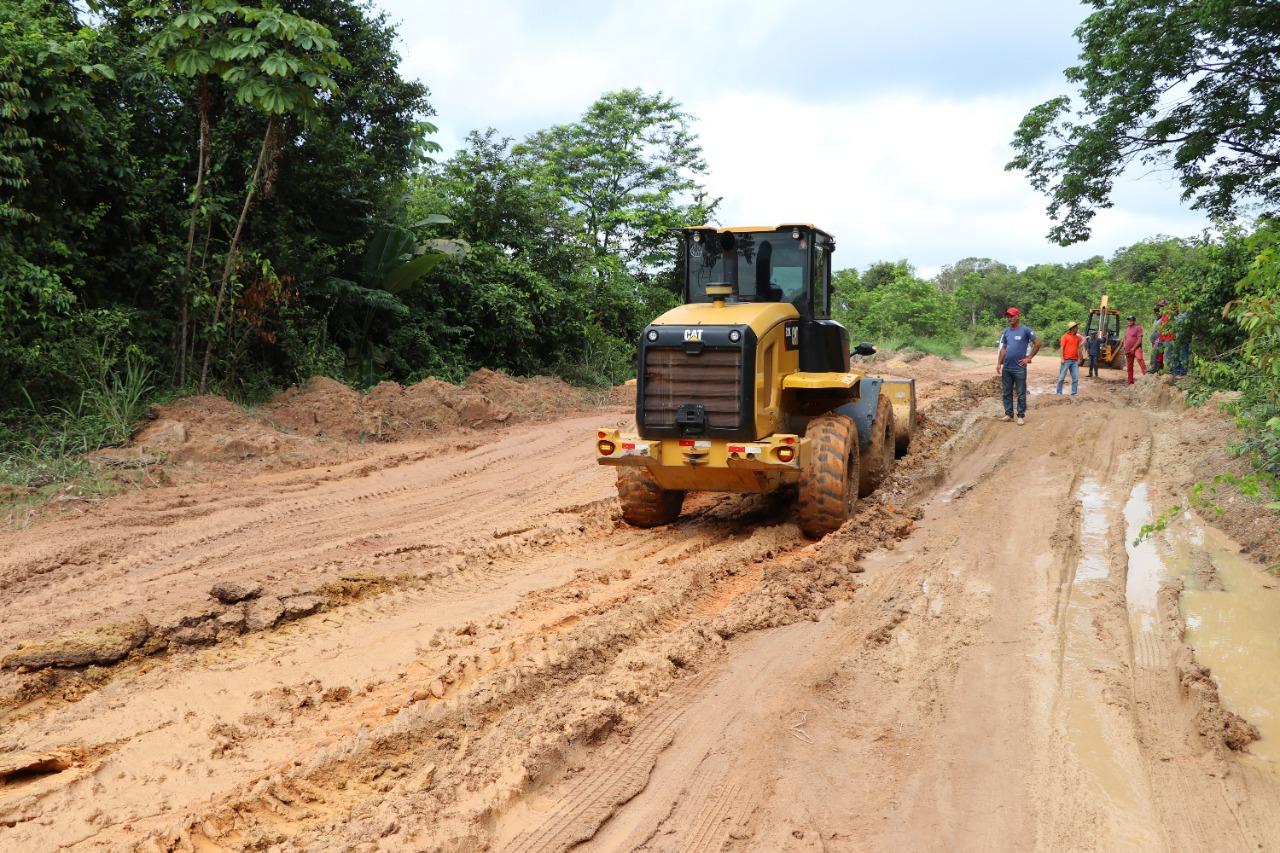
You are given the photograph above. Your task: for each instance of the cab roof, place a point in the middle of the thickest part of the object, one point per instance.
(748, 229)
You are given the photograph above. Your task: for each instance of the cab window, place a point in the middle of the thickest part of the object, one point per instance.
(770, 265)
(821, 276)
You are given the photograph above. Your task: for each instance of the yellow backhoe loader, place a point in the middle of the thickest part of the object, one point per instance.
(747, 387)
(1104, 322)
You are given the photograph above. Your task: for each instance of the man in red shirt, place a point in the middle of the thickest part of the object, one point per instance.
(1133, 347)
(1071, 342)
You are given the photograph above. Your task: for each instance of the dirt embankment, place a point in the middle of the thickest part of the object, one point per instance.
(207, 436)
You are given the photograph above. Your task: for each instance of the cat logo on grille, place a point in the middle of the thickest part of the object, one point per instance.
(693, 335)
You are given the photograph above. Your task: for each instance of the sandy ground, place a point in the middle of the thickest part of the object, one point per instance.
(454, 644)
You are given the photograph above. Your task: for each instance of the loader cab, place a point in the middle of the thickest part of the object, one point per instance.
(781, 264)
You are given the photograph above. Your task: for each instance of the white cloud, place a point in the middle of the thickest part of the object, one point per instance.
(897, 150)
(902, 176)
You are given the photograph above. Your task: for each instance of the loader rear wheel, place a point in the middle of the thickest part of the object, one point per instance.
(878, 457)
(644, 502)
(829, 483)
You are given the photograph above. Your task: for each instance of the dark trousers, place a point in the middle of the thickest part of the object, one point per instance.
(1014, 379)
(1094, 355)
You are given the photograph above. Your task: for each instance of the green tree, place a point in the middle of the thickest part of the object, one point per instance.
(1191, 84)
(982, 288)
(883, 272)
(631, 168)
(273, 61)
(534, 294)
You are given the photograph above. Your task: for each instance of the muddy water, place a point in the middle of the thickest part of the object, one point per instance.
(1093, 564)
(1231, 609)
(1235, 630)
(1146, 565)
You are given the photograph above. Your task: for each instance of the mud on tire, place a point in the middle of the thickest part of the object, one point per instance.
(829, 483)
(877, 458)
(644, 502)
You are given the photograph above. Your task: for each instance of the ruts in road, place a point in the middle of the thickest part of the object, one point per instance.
(463, 648)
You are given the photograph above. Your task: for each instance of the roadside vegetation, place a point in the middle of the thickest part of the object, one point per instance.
(232, 197)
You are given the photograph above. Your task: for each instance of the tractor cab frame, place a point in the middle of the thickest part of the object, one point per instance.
(776, 263)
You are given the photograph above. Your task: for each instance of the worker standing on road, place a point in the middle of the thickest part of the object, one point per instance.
(1070, 357)
(1011, 363)
(1133, 346)
(1168, 340)
(1182, 350)
(1157, 342)
(1094, 346)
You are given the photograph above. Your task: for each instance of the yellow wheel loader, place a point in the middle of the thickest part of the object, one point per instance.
(747, 386)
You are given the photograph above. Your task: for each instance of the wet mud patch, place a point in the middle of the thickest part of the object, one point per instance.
(67, 668)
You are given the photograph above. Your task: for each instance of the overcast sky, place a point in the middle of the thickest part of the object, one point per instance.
(886, 124)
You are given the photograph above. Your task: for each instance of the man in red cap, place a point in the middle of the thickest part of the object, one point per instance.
(1016, 352)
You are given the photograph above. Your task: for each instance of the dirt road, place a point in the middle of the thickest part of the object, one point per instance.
(457, 645)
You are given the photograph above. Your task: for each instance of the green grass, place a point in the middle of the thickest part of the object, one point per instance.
(44, 449)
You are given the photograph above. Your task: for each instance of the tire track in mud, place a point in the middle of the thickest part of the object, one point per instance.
(647, 556)
(579, 662)
(924, 626)
(620, 774)
(310, 537)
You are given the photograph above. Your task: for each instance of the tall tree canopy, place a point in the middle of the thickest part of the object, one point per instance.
(1193, 85)
(632, 167)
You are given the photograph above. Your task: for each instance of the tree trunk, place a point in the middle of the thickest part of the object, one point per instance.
(231, 252)
(201, 162)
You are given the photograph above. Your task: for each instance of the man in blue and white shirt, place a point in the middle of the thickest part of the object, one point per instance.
(1016, 352)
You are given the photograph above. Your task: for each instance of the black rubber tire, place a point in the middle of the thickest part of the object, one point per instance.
(829, 482)
(877, 458)
(644, 502)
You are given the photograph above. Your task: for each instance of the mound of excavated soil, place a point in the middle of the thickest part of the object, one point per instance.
(209, 429)
(432, 405)
(1156, 391)
(324, 407)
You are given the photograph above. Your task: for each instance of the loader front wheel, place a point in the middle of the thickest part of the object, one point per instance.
(644, 502)
(878, 457)
(829, 483)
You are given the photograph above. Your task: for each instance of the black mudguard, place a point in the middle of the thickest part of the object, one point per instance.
(862, 411)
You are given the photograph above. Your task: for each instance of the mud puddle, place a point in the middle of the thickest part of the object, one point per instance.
(1146, 566)
(1094, 508)
(1234, 627)
(1231, 610)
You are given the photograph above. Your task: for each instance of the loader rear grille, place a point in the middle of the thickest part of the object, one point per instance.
(711, 378)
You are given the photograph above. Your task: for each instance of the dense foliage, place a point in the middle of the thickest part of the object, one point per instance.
(1184, 84)
(238, 195)
(964, 304)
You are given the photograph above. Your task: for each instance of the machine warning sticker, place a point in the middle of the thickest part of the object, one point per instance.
(791, 332)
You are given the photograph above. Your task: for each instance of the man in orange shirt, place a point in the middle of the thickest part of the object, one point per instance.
(1071, 342)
